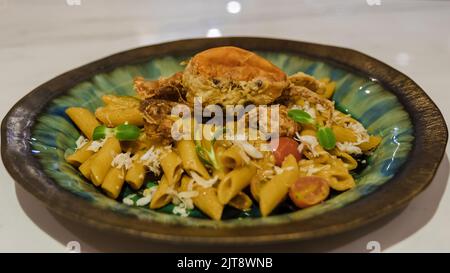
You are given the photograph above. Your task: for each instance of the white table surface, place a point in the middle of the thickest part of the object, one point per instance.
(41, 39)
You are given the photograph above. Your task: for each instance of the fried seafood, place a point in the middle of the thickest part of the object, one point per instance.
(230, 75)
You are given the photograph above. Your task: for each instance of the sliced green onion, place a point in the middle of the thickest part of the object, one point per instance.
(126, 132)
(208, 156)
(326, 138)
(202, 154)
(101, 132)
(300, 116)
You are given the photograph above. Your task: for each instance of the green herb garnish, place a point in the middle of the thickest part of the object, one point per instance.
(207, 154)
(326, 138)
(325, 135)
(300, 116)
(125, 132)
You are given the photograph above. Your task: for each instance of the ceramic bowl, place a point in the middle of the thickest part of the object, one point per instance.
(36, 133)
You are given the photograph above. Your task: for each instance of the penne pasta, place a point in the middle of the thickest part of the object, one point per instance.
(81, 155)
(83, 119)
(161, 197)
(373, 142)
(171, 164)
(349, 162)
(206, 199)
(340, 180)
(113, 182)
(344, 134)
(123, 101)
(234, 182)
(190, 159)
(338, 176)
(241, 202)
(120, 110)
(102, 162)
(113, 116)
(274, 191)
(330, 87)
(85, 167)
(136, 174)
(232, 158)
(208, 202)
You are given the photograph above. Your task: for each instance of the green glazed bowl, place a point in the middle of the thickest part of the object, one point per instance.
(36, 133)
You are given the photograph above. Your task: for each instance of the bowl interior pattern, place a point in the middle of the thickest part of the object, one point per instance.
(365, 99)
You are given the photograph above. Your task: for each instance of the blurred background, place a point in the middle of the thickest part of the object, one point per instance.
(42, 39)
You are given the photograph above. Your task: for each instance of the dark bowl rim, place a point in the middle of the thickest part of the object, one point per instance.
(415, 175)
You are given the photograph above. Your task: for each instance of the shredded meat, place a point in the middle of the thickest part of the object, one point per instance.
(158, 122)
(165, 88)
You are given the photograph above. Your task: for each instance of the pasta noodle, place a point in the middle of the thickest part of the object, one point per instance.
(112, 185)
(85, 167)
(206, 200)
(114, 116)
(232, 157)
(274, 191)
(120, 110)
(83, 119)
(190, 159)
(122, 101)
(334, 171)
(172, 166)
(234, 182)
(241, 202)
(136, 174)
(339, 178)
(347, 159)
(373, 142)
(344, 134)
(102, 162)
(330, 87)
(81, 155)
(161, 197)
(263, 174)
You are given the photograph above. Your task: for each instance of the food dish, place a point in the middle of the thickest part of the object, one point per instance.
(36, 132)
(313, 145)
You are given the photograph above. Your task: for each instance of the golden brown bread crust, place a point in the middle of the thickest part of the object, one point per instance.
(230, 75)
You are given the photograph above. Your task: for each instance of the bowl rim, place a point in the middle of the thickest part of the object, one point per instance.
(430, 132)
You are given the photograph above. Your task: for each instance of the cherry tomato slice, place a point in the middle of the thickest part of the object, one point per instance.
(308, 191)
(286, 146)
